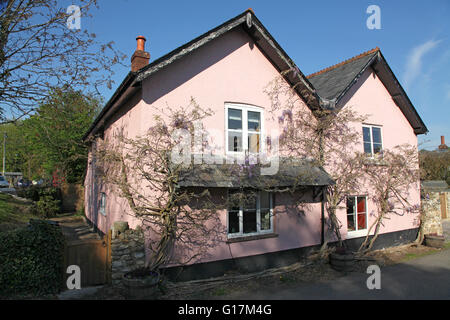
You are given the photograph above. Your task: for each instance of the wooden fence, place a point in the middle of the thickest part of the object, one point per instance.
(93, 256)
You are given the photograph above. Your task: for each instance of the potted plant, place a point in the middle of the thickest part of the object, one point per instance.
(342, 259)
(434, 240)
(141, 283)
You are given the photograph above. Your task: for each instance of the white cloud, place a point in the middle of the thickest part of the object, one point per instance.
(414, 61)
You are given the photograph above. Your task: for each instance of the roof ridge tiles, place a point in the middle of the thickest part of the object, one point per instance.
(343, 62)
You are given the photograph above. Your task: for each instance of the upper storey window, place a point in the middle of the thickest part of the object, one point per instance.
(373, 143)
(244, 128)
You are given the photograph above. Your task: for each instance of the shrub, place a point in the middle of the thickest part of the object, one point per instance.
(36, 192)
(47, 200)
(31, 260)
(47, 207)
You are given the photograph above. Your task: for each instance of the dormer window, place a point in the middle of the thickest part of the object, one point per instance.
(243, 128)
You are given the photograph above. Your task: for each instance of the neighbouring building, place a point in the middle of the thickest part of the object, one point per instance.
(227, 69)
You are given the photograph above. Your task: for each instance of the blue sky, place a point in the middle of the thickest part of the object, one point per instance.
(414, 38)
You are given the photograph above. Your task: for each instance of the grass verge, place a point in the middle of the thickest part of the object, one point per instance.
(13, 212)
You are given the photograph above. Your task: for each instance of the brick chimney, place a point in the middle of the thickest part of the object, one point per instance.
(443, 146)
(140, 58)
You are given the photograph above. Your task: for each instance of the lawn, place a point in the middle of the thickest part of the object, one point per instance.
(14, 213)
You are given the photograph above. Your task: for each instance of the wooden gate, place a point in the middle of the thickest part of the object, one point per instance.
(93, 256)
(443, 200)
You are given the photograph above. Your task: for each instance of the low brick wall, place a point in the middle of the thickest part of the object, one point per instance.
(127, 253)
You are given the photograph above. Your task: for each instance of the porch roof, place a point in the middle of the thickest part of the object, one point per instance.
(290, 173)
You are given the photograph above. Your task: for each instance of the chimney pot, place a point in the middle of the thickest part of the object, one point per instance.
(140, 57)
(140, 43)
(442, 146)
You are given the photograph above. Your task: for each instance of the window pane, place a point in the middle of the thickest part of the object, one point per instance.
(265, 219)
(350, 204)
(265, 200)
(234, 200)
(367, 148)
(254, 121)
(377, 147)
(350, 222)
(366, 134)
(249, 221)
(250, 200)
(362, 221)
(233, 221)
(253, 142)
(361, 204)
(234, 119)
(235, 141)
(376, 135)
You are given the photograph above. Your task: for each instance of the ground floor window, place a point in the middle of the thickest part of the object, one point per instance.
(249, 213)
(102, 203)
(356, 213)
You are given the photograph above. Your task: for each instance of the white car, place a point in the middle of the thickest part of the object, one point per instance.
(3, 182)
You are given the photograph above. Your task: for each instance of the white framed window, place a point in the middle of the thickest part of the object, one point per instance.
(251, 217)
(244, 127)
(102, 208)
(372, 139)
(357, 215)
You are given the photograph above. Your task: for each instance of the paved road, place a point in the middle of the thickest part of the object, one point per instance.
(422, 278)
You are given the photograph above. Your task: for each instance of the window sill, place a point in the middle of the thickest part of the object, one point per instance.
(375, 161)
(251, 238)
(356, 234)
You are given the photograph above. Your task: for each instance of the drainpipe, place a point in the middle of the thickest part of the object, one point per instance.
(322, 218)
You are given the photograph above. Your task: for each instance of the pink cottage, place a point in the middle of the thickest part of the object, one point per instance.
(227, 69)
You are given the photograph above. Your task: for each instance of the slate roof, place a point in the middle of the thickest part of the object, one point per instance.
(331, 82)
(334, 82)
(435, 185)
(248, 22)
(290, 173)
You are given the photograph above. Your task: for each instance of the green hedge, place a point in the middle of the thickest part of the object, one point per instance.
(47, 200)
(31, 260)
(35, 193)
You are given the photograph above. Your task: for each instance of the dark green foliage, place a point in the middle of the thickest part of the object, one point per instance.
(50, 140)
(47, 207)
(47, 200)
(31, 260)
(435, 165)
(36, 192)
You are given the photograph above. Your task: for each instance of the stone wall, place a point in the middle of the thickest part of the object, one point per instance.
(127, 252)
(431, 215)
(448, 204)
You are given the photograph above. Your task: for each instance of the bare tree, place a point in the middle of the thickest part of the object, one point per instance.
(142, 172)
(38, 52)
(391, 176)
(326, 137)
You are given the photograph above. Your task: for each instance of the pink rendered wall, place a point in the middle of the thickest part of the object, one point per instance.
(369, 97)
(232, 69)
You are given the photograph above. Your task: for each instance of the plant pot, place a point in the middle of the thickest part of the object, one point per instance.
(433, 240)
(343, 261)
(141, 284)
